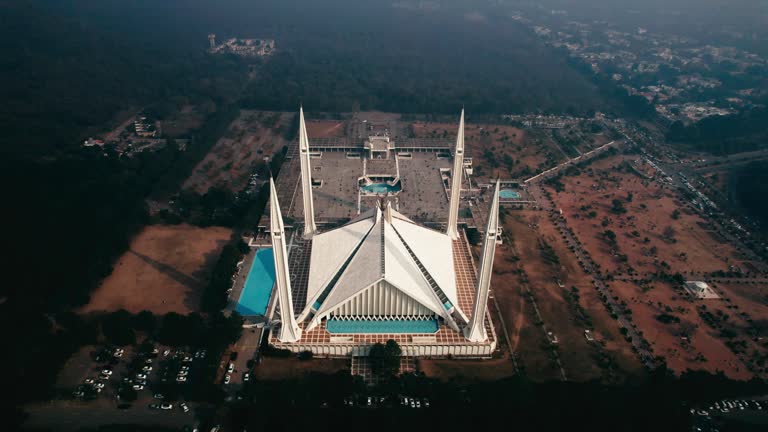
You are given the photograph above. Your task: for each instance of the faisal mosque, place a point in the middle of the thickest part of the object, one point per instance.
(380, 275)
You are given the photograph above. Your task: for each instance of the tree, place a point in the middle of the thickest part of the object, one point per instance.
(117, 328)
(144, 321)
(618, 207)
(610, 236)
(385, 359)
(669, 233)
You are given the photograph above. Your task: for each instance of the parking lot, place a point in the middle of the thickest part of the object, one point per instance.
(147, 377)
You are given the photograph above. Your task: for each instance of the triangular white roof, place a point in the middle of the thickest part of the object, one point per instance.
(349, 259)
(330, 250)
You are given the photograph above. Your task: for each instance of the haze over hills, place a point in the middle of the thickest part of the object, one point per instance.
(84, 60)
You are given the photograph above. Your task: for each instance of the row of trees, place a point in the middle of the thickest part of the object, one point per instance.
(173, 329)
(476, 405)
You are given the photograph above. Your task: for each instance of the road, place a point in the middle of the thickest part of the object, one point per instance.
(74, 416)
(246, 350)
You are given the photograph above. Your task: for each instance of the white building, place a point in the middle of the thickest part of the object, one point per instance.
(382, 276)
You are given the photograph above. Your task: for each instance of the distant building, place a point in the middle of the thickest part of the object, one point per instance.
(90, 142)
(700, 290)
(243, 47)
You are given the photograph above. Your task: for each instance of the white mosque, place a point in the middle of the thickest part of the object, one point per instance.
(382, 276)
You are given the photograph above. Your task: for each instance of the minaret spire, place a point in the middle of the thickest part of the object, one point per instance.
(306, 178)
(289, 329)
(475, 331)
(456, 176)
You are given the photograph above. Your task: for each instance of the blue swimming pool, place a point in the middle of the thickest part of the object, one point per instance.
(387, 326)
(380, 188)
(258, 285)
(508, 194)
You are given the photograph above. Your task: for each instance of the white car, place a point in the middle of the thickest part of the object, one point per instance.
(181, 379)
(183, 373)
(246, 377)
(107, 372)
(166, 352)
(184, 406)
(138, 387)
(231, 367)
(99, 385)
(166, 406)
(141, 376)
(184, 367)
(89, 381)
(227, 378)
(146, 368)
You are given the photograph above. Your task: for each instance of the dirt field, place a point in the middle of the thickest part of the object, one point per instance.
(648, 237)
(241, 151)
(272, 368)
(466, 370)
(164, 270)
(687, 342)
(566, 311)
(182, 123)
(325, 128)
(515, 152)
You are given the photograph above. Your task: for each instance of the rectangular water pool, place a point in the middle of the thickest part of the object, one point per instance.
(380, 188)
(258, 284)
(508, 194)
(387, 326)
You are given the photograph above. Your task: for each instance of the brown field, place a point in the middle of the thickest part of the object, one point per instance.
(704, 348)
(750, 298)
(272, 368)
(165, 270)
(532, 151)
(566, 315)
(466, 370)
(693, 248)
(325, 128)
(241, 151)
(183, 122)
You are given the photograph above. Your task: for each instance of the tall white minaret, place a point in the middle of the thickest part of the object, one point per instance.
(306, 179)
(456, 175)
(475, 331)
(289, 329)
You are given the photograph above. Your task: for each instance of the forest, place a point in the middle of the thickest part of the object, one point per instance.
(722, 135)
(748, 188)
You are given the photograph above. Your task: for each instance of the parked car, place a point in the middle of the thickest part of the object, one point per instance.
(246, 377)
(181, 379)
(231, 367)
(227, 378)
(166, 406)
(138, 387)
(184, 406)
(158, 396)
